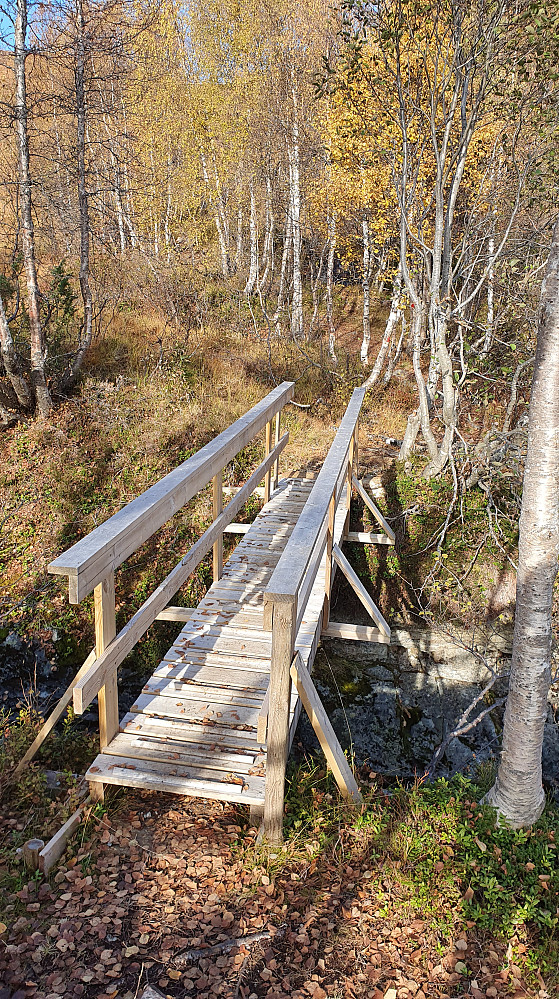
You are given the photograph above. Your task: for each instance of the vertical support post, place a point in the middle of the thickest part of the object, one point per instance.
(283, 642)
(105, 631)
(350, 466)
(268, 477)
(328, 567)
(217, 509)
(276, 442)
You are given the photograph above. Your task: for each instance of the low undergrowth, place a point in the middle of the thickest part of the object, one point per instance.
(433, 851)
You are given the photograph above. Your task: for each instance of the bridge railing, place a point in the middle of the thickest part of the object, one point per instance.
(286, 596)
(90, 564)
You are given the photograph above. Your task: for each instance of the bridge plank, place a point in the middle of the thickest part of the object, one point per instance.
(177, 779)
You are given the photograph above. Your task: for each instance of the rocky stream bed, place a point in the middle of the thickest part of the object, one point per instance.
(391, 705)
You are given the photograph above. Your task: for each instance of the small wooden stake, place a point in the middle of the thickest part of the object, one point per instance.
(31, 852)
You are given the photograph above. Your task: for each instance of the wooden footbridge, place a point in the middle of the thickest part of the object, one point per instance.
(217, 718)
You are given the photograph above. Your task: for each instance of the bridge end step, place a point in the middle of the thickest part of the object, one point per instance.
(177, 778)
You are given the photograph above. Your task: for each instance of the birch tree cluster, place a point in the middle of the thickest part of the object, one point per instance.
(280, 150)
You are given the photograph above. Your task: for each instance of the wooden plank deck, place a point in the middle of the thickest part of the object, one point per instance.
(193, 728)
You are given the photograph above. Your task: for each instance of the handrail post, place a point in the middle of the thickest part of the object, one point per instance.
(276, 441)
(268, 448)
(283, 643)
(105, 631)
(217, 483)
(350, 467)
(328, 567)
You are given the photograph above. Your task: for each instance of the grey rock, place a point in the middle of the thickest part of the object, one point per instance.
(13, 641)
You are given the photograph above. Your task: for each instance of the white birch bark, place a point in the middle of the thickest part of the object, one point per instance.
(268, 251)
(490, 323)
(282, 290)
(365, 343)
(11, 362)
(37, 339)
(295, 199)
(395, 356)
(221, 237)
(518, 794)
(83, 201)
(330, 287)
(253, 235)
(239, 240)
(315, 281)
(393, 319)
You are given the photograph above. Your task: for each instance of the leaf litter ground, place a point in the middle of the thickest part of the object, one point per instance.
(160, 880)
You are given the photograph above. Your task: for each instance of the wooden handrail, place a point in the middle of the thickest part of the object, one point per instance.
(89, 684)
(289, 574)
(91, 560)
(286, 596)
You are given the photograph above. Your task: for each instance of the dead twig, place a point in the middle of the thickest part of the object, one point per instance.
(184, 957)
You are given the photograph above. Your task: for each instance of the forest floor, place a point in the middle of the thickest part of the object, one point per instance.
(382, 904)
(397, 901)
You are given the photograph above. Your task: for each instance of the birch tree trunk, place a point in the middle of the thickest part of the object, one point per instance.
(395, 356)
(221, 235)
(283, 269)
(253, 270)
(366, 295)
(239, 240)
(330, 287)
(295, 199)
(37, 339)
(268, 252)
(12, 363)
(393, 318)
(490, 296)
(518, 794)
(83, 201)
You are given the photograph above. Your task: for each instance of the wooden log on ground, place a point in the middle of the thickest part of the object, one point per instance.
(53, 850)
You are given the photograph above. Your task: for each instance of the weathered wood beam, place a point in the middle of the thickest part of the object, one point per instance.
(176, 614)
(357, 586)
(325, 734)
(355, 633)
(373, 508)
(366, 538)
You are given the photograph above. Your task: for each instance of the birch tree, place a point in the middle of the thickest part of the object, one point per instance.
(38, 352)
(518, 794)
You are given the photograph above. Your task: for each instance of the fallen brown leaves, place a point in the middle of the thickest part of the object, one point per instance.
(162, 879)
